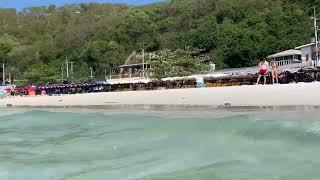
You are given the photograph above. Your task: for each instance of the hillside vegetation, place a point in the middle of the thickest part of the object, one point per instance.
(35, 42)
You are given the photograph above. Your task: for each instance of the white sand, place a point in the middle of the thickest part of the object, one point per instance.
(259, 95)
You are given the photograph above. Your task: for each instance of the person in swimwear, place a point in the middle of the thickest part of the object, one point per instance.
(263, 70)
(274, 72)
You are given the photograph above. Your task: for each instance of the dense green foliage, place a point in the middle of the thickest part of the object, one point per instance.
(34, 43)
(182, 62)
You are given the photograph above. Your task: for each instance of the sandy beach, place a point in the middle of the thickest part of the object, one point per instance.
(259, 95)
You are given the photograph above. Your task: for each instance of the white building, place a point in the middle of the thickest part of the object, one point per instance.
(308, 53)
(286, 57)
(305, 55)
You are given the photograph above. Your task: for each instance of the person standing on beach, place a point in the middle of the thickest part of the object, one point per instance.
(263, 71)
(274, 72)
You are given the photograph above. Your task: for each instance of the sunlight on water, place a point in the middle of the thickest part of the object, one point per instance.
(41, 145)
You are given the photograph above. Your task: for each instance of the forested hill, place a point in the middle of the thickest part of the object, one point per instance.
(233, 33)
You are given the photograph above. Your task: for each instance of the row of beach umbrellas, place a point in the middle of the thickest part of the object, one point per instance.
(73, 85)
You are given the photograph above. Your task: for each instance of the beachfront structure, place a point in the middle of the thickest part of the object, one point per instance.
(287, 57)
(308, 52)
(304, 54)
(132, 71)
(198, 81)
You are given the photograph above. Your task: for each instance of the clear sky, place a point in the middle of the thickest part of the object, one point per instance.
(19, 4)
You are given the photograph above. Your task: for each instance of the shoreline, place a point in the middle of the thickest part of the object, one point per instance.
(174, 108)
(280, 95)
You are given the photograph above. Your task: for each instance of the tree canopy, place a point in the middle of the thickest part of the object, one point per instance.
(181, 62)
(231, 33)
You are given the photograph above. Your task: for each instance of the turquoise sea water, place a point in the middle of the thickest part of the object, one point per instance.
(41, 145)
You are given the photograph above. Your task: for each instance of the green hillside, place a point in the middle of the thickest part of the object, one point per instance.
(35, 42)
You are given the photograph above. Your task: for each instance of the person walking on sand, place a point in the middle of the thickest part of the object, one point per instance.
(263, 71)
(274, 72)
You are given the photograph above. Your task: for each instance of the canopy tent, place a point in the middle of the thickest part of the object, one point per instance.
(291, 52)
(26, 88)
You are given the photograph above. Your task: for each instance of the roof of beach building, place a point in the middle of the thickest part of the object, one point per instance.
(132, 65)
(289, 52)
(306, 45)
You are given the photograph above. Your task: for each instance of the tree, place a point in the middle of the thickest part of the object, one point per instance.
(7, 44)
(182, 62)
(102, 55)
(8, 20)
(39, 74)
(137, 30)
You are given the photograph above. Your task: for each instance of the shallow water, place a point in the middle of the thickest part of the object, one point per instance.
(40, 145)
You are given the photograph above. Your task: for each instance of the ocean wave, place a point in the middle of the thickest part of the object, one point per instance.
(94, 145)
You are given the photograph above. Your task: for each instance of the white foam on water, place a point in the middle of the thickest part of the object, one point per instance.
(314, 128)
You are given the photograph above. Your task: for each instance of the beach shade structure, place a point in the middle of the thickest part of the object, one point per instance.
(288, 53)
(28, 90)
(286, 57)
(73, 88)
(22, 88)
(73, 85)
